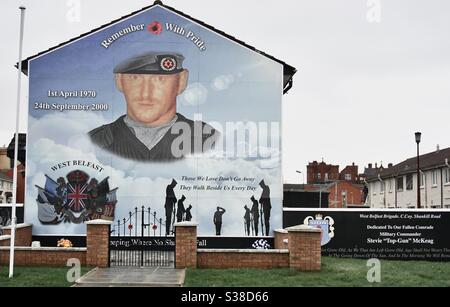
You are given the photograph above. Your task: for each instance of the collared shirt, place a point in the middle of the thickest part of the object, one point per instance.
(149, 135)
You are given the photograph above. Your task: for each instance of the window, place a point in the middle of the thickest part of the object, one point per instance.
(422, 180)
(447, 175)
(409, 182)
(348, 177)
(381, 186)
(434, 178)
(319, 176)
(390, 185)
(326, 176)
(400, 183)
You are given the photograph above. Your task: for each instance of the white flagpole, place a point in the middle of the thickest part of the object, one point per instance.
(16, 148)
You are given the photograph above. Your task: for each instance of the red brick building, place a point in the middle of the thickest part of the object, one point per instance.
(344, 188)
(341, 194)
(20, 198)
(344, 194)
(322, 172)
(350, 173)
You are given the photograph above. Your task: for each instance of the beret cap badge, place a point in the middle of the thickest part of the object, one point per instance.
(168, 64)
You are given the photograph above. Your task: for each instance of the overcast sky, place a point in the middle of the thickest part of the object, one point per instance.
(365, 82)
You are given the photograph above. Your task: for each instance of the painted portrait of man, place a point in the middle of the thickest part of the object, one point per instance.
(152, 129)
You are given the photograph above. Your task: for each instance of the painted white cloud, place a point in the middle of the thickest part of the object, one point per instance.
(222, 82)
(63, 127)
(194, 95)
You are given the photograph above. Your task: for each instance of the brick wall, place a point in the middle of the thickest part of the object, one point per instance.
(23, 234)
(303, 253)
(52, 257)
(5, 240)
(354, 194)
(186, 245)
(314, 168)
(225, 259)
(97, 243)
(305, 248)
(351, 170)
(280, 235)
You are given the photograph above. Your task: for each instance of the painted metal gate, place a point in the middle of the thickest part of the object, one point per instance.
(140, 240)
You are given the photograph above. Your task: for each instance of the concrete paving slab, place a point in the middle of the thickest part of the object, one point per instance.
(133, 277)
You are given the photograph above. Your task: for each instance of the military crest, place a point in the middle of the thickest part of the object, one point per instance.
(75, 199)
(168, 64)
(326, 225)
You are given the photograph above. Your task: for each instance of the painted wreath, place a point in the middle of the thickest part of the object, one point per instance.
(64, 243)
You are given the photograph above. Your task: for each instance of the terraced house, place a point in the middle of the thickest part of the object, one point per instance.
(396, 186)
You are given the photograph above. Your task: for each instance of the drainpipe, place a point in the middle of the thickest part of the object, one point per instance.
(442, 189)
(335, 195)
(395, 191)
(442, 183)
(425, 187)
(384, 190)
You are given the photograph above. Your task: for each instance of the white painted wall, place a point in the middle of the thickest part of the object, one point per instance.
(430, 193)
(446, 189)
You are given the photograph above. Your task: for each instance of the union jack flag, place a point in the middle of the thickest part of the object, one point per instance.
(76, 197)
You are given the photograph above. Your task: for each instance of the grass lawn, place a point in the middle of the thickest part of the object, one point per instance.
(36, 277)
(335, 272)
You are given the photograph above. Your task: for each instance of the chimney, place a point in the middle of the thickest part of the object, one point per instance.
(353, 164)
(376, 165)
(390, 165)
(437, 148)
(370, 165)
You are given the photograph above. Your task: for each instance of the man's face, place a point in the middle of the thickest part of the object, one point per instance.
(151, 99)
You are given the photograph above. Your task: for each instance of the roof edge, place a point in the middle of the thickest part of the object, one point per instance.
(408, 172)
(288, 70)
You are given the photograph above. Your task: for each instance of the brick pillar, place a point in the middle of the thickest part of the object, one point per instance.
(281, 239)
(304, 248)
(185, 245)
(97, 243)
(24, 234)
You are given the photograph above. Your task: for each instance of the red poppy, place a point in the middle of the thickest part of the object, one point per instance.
(155, 28)
(130, 227)
(155, 227)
